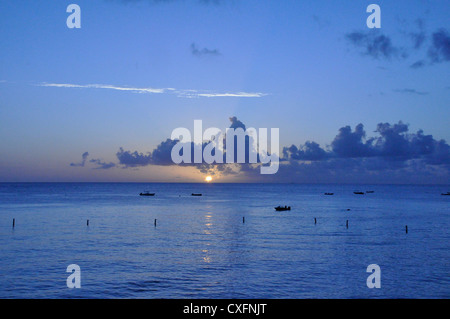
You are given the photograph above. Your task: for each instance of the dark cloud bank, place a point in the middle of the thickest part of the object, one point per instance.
(394, 155)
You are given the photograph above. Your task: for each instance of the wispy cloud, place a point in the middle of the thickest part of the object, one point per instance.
(195, 50)
(411, 91)
(198, 94)
(188, 93)
(105, 86)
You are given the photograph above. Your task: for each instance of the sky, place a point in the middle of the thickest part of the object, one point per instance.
(98, 103)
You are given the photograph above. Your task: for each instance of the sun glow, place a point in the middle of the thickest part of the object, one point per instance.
(208, 179)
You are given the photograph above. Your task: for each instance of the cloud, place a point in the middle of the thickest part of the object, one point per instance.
(133, 159)
(84, 157)
(411, 91)
(195, 50)
(393, 155)
(321, 23)
(394, 144)
(373, 44)
(310, 151)
(440, 47)
(105, 86)
(235, 123)
(418, 37)
(162, 154)
(418, 64)
(184, 93)
(237, 94)
(378, 46)
(351, 144)
(438, 50)
(102, 165)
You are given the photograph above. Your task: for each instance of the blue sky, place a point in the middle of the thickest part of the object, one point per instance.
(308, 68)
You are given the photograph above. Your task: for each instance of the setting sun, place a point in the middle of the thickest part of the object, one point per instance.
(208, 179)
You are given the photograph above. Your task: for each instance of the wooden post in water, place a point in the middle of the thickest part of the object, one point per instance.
(406, 228)
(14, 222)
(243, 220)
(155, 222)
(346, 224)
(315, 220)
(87, 222)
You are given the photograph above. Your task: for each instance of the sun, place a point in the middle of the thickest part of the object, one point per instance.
(208, 179)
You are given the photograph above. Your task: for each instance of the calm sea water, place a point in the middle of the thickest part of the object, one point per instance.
(202, 248)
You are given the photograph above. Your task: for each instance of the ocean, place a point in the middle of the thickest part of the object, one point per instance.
(228, 243)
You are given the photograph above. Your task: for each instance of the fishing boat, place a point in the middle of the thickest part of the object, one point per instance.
(445, 194)
(146, 194)
(359, 193)
(281, 208)
(194, 194)
(329, 193)
(369, 192)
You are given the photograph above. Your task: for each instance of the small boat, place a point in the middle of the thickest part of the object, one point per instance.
(280, 208)
(146, 194)
(329, 193)
(359, 193)
(194, 194)
(370, 192)
(445, 194)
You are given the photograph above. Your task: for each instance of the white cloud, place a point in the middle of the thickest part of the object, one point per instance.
(104, 86)
(238, 94)
(179, 93)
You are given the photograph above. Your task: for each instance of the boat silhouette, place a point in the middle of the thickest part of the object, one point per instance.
(146, 194)
(194, 194)
(445, 194)
(329, 193)
(359, 193)
(280, 208)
